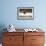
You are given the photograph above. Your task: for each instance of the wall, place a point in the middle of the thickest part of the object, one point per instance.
(8, 13)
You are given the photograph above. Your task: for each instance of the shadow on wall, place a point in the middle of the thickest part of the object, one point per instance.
(2, 26)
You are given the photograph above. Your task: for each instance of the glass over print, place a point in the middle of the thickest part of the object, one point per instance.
(25, 13)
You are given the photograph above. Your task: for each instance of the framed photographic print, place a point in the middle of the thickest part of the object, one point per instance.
(25, 13)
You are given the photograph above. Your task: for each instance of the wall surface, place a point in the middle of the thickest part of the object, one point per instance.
(8, 13)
